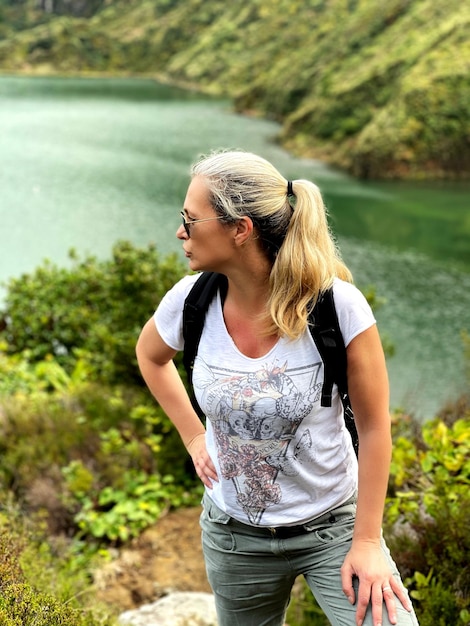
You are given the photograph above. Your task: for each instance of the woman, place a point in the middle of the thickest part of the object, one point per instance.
(284, 492)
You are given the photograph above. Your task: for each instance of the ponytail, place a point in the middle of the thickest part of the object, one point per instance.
(292, 228)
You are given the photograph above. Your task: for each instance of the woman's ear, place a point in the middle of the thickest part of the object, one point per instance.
(244, 230)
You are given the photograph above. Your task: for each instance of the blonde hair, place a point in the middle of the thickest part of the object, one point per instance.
(296, 238)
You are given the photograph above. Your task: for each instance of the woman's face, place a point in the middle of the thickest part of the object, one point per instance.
(209, 243)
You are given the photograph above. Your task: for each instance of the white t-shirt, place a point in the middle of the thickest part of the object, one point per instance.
(281, 458)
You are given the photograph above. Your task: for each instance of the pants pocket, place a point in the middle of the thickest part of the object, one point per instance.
(339, 529)
(214, 525)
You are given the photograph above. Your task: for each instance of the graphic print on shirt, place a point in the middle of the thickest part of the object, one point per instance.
(255, 418)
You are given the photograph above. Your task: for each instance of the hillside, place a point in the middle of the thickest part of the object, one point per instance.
(381, 89)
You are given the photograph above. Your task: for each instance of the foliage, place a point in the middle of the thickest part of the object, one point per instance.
(88, 317)
(123, 513)
(426, 519)
(303, 608)
(391, 101)
(31, 568)
(103, 461)
(428, 515)
(95, 461)
(80, 436)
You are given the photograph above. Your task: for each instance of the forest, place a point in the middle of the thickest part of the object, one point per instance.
(381, 90)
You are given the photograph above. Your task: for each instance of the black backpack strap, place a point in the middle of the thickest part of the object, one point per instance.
(325, 330)
(194, 312)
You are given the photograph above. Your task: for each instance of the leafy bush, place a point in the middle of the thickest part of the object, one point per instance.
(106, 461)
(22, 605)
(30, 569)
(97, 461)
(80, 436)
(118, 514)
(428, 516)
(89, 314)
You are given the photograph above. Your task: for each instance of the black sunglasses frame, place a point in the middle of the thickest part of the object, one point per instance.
(187, 224)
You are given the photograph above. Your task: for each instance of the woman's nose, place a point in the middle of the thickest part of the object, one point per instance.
(181, 232)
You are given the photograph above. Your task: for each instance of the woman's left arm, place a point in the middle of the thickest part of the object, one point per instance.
(369, 394)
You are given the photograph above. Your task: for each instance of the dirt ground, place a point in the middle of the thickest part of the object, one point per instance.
(166, 557)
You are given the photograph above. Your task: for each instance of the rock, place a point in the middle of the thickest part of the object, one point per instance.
(176, 609)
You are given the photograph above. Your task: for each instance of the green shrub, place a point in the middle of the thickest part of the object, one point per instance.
(119, 514)
(21, 605)
(90, 314)
(80, 436)
(42, 584)
(11, 545)
(103, 460)
(428, 516)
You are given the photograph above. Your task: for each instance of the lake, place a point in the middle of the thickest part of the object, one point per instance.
(86, 162)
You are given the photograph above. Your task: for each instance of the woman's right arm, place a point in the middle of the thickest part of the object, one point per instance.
(156, 364)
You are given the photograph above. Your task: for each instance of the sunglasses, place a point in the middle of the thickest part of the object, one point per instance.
(187, 224)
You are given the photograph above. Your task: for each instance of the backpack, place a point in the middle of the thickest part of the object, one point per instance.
(323, 326)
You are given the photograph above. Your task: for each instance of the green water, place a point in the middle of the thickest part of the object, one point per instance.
(85, 162)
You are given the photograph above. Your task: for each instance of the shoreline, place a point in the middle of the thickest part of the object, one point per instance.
(324, 153)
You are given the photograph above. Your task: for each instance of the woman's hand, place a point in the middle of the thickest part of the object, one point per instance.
(369, 394)
(205, 469)
(366, 561)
